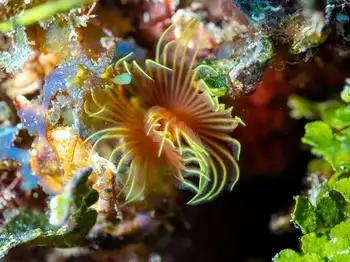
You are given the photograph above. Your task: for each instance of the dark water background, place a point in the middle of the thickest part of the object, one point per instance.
(236, 226)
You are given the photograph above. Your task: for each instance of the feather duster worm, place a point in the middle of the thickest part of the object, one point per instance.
(165, 122)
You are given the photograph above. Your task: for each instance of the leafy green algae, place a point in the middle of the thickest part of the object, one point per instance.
(304, 215)
(33, 228)
(325, 222)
